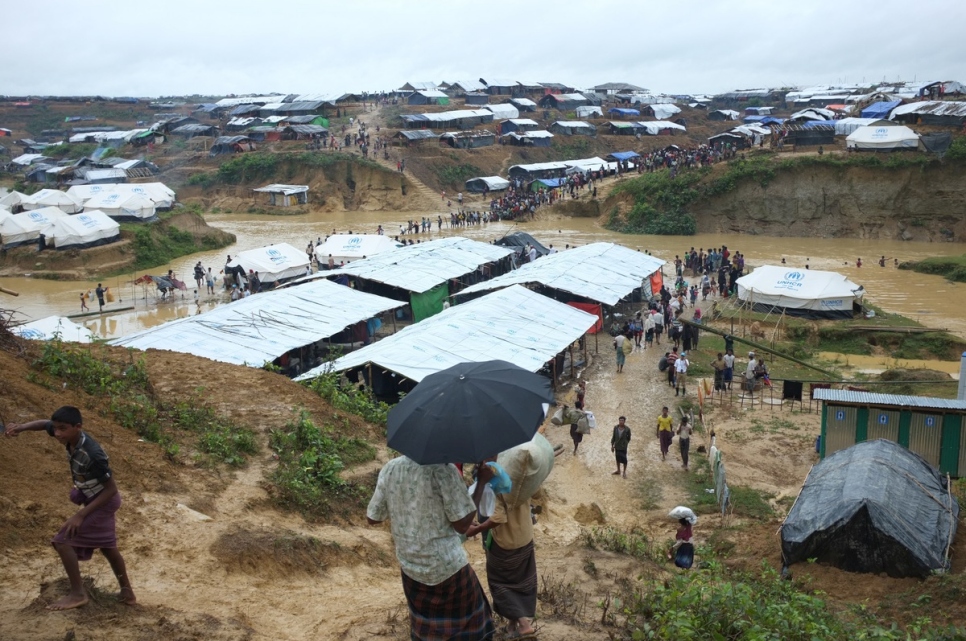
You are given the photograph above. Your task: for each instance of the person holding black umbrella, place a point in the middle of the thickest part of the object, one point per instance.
(428, 508)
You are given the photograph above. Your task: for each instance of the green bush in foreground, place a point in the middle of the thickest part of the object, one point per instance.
(349, 398)
(701, 604)
(309, 461)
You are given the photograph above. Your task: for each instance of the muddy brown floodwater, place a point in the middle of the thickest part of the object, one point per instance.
(928, 299)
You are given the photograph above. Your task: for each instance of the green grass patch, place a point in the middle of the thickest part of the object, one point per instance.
(344, 396)
(310, 459)
(456, 175)
(159, 244)
(951, 268)
(220, 440)
(67, 150)
(632, 542)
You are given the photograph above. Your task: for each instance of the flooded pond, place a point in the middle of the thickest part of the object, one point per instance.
(928, 299)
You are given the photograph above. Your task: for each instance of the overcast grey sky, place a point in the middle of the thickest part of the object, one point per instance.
(689, 46)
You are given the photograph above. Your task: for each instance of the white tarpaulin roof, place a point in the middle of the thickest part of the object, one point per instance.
(262, 327)
(46, 329)
(601, 272)
(811, 289)
(845, 126)
(87, 229)
(52, 198)
(493, 183)
(122, 205)
(665, 111)
(888, 137)
(514, 325)
(419, 268)
(274, 262)
(12, 199)
(346, 247)
(27, 159)
(589, 110)
(654, 127)
(161, 194)
(26, 227)
(250, 100)
(503, 112)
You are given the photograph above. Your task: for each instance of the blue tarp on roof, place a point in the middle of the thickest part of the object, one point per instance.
(624, 111)
(552, 182)
(771, 120)
(818, 124)
(624, 155)
(754, 118)
(880, 109)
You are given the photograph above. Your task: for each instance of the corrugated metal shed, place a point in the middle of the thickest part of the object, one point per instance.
(307, 129)
(418, 134)
(893, 400)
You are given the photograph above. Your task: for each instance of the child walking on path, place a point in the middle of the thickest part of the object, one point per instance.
(93, 526)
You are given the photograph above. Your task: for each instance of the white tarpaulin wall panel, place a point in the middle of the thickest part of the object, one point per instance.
(46, 329)
(12, 199)
(828, 293)
(665, 111)
(162, 195)
(122, 205)
(514, 325)
(275, 262)
(655, 127)
(845, 126)
(882, 138)
(260, 328)
(346, 247)
(52, 198)
(26, 227)
(419, 268)
(83, 230)
(601, 272)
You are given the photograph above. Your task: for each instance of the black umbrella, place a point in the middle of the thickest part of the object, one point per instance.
(469, 412)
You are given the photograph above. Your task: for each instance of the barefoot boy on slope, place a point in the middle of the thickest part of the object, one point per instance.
(92, 527)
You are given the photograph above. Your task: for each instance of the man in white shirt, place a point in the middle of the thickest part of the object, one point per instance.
(428, 508)
(533, 253)
(681, 374)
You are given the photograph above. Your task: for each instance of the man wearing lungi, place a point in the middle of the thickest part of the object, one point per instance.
(428, 508)
(93, 526)
(511, 564)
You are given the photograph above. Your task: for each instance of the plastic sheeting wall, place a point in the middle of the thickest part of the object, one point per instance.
(428, 303)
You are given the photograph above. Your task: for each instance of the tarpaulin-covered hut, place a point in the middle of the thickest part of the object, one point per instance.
(564, 101)
(345, 248)
(123, 206)
(428, 97)
(530, 138)
(90, 229)
(26, 228)
(486, 184)
(880, 109)
(275, 263)
(52, 198)
(468, 139)
(874, 507)
(807, 293)
(573, 128)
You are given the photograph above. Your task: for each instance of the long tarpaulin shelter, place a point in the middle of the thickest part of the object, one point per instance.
(258, 329)
(513, 324)
(599, 272)
(422, 272)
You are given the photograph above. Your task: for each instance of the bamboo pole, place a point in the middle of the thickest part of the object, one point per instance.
(759, 346)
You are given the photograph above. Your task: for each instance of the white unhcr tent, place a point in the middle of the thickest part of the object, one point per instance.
(123, 206)
(882, 138)
(803, 293)
(487, 183)
(60, 327)
(261, 328)
(79, 231)
(514, 324)
(12, 200)
(52, 198)
(601, 272)
(25, 228)
(162, 195)
(349, 247)
(273, 263)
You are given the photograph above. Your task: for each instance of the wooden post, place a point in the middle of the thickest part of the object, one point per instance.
(572, 368)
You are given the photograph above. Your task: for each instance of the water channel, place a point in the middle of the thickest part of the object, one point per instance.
(929, 299)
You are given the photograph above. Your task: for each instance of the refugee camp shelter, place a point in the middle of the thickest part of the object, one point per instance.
(260, 329)
(162, 195)
(460, 118)
(573, 128)
(428, 97)
(530, 138)
(275, 263)
(51, 327)
(946, 113)
(621, 156)
(564, 101)
(874, 507)
(503, 111)
(518, 125)
(80, 231)
(589, 111)
(519, 240)
(933, 428)
(523, 104)
(476, 99)
(723, 114)
(228, 145)
(285, 195)
(486, 184)
(25, 228)
(470, 139)
(556, 169)
(424, 275)
(193, 130)
(621, 128)
(845, 126)
(124, 207)
(345, 248)
(52, 198)
(661, 111)
(876, 138)
(660, 127)
(624, 112)
(416, 136)
(804, 293)
(880, 109)
(602, 273)
(12, 200)
(514, 325)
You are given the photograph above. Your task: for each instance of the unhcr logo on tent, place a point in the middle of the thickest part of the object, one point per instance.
(276, 256)
(792, 280)
(86, 220)
(355, 240)
(881, 132)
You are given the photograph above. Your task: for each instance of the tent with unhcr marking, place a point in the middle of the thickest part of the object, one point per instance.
(804, 293)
